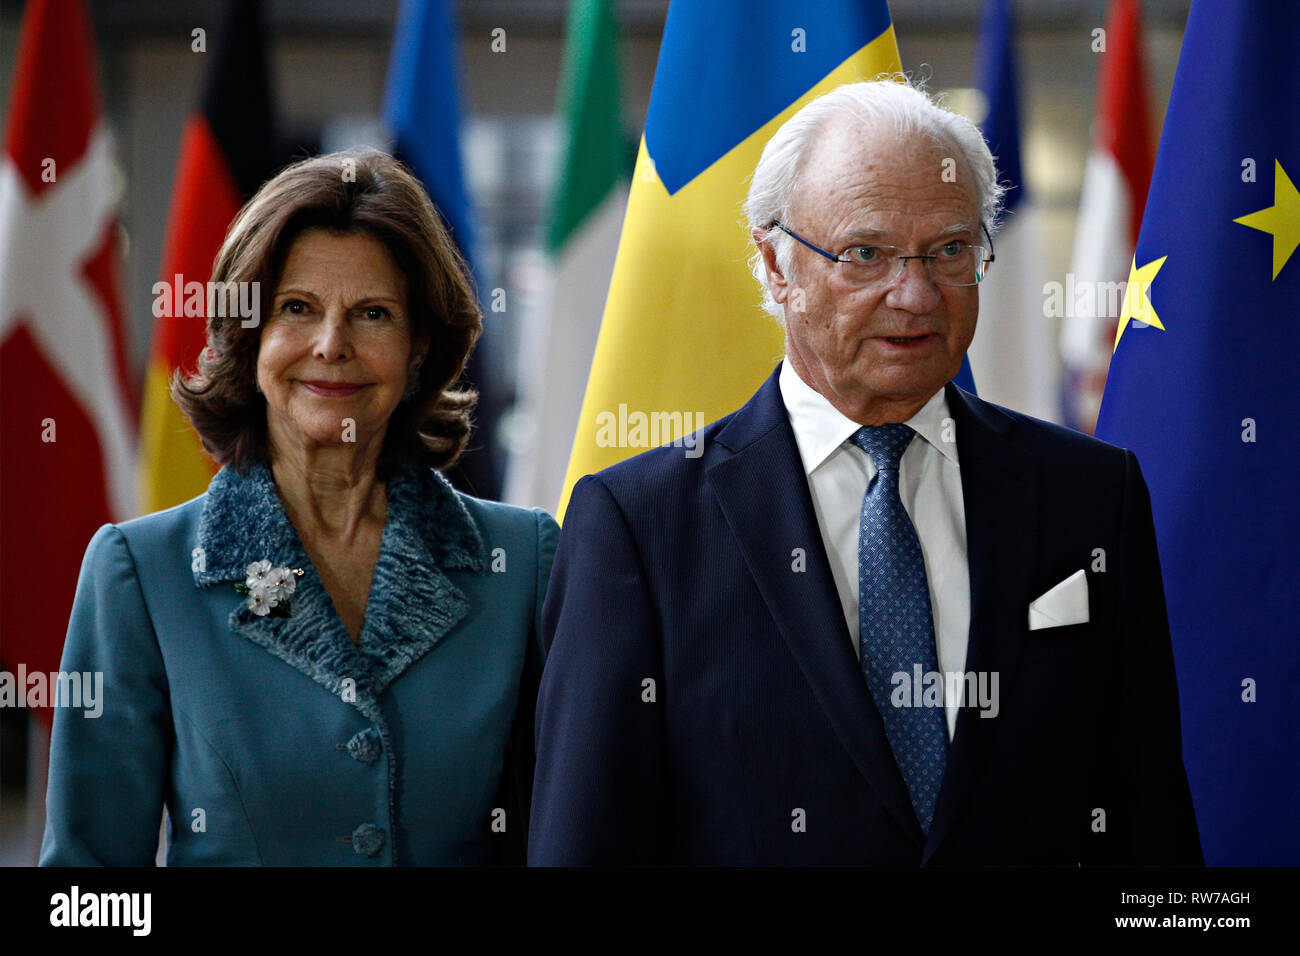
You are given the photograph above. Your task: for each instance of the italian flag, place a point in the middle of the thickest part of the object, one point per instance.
(587, 220)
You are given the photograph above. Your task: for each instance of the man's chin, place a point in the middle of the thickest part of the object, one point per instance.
(901, 380)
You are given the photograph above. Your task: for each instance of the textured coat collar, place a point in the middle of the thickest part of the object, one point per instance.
(412, 602)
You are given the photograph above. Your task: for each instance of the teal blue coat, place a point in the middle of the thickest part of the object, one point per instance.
(276, 740)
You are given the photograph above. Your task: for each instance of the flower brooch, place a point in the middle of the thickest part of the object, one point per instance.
(269, 589)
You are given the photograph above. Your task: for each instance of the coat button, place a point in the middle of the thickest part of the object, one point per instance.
(368, 839)
(364, 746)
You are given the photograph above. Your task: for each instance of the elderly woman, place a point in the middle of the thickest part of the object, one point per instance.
(330, 657)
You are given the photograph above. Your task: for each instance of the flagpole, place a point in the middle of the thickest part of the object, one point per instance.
(38, 771)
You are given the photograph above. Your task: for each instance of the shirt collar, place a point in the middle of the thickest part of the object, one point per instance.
(820, 429)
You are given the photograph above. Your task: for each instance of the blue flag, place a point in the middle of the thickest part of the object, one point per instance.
(996, 77)
(422, 111)
(1014, 353)
(1203, 388)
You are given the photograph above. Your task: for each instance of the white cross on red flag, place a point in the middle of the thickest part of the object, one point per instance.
(67, 402)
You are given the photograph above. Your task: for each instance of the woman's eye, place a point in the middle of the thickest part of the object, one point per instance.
(294, 307)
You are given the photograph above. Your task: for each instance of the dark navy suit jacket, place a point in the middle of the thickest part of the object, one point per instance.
(701, 702)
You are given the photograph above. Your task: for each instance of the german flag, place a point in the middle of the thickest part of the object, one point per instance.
(226, 153)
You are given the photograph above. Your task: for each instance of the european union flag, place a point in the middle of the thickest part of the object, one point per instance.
(1203, 387)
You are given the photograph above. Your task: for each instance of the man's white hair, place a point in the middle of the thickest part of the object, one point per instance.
(885, 106)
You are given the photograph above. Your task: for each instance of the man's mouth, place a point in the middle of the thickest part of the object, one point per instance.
(907, 339)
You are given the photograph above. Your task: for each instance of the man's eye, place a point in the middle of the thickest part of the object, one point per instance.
(864, 254)
(376, 312)
(951, 250)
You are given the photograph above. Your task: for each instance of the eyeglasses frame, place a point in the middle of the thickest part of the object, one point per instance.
(902, 259)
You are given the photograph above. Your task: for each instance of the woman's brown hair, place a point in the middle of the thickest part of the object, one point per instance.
(366, 192)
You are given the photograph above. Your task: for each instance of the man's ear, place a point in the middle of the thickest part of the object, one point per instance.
(777, 281)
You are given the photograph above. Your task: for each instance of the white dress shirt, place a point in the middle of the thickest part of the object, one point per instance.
(930, 485)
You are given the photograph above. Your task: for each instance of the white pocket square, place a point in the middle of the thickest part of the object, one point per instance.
(1067, 603)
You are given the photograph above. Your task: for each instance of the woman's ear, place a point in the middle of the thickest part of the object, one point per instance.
(419, 349)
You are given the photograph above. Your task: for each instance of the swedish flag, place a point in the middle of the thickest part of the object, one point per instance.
(1203, 386)
(683, 335)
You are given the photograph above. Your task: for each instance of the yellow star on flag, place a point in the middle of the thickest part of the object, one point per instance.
(1137, 306)
(1282, 219)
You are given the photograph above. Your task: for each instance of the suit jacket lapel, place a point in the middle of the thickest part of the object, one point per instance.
(763, 493)
(1000, 495)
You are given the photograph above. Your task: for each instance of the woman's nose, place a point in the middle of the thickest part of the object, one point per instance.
(334, 342)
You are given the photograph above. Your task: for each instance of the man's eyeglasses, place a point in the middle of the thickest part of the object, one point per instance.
(950, 263)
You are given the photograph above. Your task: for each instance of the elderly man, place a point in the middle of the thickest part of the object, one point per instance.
(878, 620)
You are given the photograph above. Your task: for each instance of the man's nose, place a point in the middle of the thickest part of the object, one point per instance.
(913, 290)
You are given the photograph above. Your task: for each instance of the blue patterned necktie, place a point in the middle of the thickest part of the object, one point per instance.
(897, 629)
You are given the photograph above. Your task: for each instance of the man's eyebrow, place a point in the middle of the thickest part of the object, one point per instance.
(876, 235)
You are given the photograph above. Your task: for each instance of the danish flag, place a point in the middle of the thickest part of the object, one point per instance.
(67, 406)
